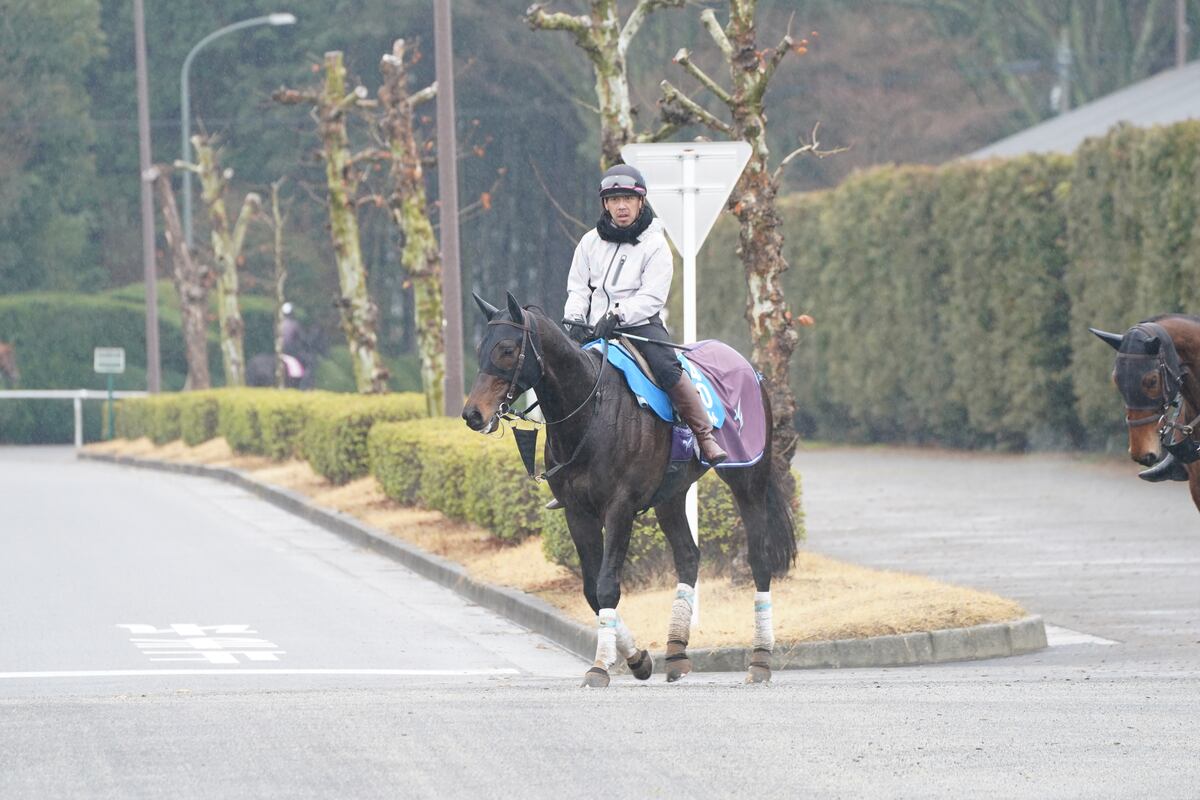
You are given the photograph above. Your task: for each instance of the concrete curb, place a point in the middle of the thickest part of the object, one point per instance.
(994, 640)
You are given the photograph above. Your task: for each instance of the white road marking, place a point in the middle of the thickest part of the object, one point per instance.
(199, 643)
(143, 673)
(1057, 637)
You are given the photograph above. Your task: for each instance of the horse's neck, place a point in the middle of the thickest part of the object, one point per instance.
(568, 376)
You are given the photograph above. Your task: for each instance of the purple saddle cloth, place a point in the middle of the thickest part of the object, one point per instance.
(743, 433)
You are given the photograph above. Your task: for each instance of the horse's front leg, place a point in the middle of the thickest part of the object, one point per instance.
(613, 638)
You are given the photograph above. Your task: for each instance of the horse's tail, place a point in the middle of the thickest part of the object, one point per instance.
(779, 541)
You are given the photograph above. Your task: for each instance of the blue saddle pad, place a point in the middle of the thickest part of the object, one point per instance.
(650, 396)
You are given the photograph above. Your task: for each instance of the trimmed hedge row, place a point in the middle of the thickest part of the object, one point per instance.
(952, 303)
(328, 430)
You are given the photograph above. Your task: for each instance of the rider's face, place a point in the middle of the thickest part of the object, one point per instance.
(624, 209)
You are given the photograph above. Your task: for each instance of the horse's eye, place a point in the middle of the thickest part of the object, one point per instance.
(1150, 385)
(504, 354)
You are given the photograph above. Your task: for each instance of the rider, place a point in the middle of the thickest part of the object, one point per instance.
(619, 278)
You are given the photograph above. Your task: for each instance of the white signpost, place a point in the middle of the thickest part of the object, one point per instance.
(688, 183)
(108, 361)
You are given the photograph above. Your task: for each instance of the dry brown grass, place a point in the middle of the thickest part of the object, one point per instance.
(822, 599)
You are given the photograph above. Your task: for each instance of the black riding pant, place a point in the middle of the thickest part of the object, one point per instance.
(661, 358)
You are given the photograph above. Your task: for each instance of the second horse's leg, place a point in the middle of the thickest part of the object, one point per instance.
(672, 518)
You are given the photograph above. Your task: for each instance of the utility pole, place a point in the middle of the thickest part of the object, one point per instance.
(447, 151)
(1061, 96)
(146, 175)
(1181, 33)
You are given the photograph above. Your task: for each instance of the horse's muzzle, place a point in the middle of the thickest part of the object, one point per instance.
(473, 417)
(1147, 460)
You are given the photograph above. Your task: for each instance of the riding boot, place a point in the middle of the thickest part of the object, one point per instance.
(1169, 469)
(687, 404)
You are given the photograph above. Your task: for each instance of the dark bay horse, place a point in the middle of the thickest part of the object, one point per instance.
(611, 456)
(1155, 372)
(8, 365)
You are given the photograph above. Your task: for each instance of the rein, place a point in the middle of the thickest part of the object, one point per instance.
(506, 412)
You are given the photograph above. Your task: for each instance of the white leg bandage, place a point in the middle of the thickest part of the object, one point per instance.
(606, 639)
(764, 631)
(625, 644)
(681, 613)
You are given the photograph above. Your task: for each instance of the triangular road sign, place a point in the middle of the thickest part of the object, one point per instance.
(673, 170)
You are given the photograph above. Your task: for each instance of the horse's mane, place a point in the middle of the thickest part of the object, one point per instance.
(1160, 317)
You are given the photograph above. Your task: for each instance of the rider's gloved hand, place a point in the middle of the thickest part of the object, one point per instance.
(578, 329)
(605, 327)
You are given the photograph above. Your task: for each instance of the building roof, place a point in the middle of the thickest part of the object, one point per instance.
(1168, 97)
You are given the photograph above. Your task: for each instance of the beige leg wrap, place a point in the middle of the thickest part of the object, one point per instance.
(606, 638)
(679, 628)
(764, 630)
(625, 643)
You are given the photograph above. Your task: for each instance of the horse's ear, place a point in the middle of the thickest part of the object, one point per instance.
(514, 308)
(1113, 340)
(489, 310)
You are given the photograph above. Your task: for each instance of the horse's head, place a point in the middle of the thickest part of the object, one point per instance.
(1147, 384)
(509, 364)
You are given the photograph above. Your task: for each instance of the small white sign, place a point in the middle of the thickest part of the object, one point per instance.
(109, 360)
(676, 172)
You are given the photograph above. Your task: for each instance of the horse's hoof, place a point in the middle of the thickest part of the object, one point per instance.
(595, 678)
(758, 673)
(642, 666)
(678, 666)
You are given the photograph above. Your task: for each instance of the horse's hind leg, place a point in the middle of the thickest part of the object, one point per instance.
(672, 518)
(771, 542)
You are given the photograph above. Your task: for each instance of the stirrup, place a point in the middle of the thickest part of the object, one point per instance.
(553, 505)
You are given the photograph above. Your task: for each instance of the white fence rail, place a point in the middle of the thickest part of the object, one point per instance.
(78, 395)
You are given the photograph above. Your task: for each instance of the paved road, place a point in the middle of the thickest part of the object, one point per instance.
(88, 550)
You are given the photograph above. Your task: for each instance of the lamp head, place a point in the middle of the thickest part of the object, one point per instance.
(282, 19)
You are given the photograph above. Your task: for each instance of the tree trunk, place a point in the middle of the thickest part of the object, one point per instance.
(753, 201)
(359, 314)
(420, 257)
(280, 282)
(192, 283)
(227, 251)
(605, 40)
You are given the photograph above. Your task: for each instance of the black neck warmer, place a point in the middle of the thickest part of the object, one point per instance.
(610, 232)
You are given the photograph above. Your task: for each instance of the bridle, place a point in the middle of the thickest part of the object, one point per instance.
(1175, 437)
(515, 389)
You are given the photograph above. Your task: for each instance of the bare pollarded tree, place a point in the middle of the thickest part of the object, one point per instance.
(359, 314)
(605, 39)
(773, 333)
(227, 240)
(193, 279)
(420, 256)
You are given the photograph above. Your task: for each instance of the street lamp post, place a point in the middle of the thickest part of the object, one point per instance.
(185, 109)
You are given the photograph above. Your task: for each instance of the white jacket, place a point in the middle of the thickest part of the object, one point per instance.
(632, 280)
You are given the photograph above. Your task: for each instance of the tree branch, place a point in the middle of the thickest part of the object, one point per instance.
(684, 59)
(638, 16)
(293, 97)
(251, 205)
(678, 106)
(709, 18)
(813, 146)
(425, 95)
(579, 27)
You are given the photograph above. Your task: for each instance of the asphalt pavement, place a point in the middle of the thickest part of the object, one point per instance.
(167, 635)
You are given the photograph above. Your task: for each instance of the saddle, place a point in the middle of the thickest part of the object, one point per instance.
(728, 386)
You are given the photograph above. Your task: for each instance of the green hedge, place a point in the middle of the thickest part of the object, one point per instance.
(334, 439)
(54, 335)
(952, 303)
